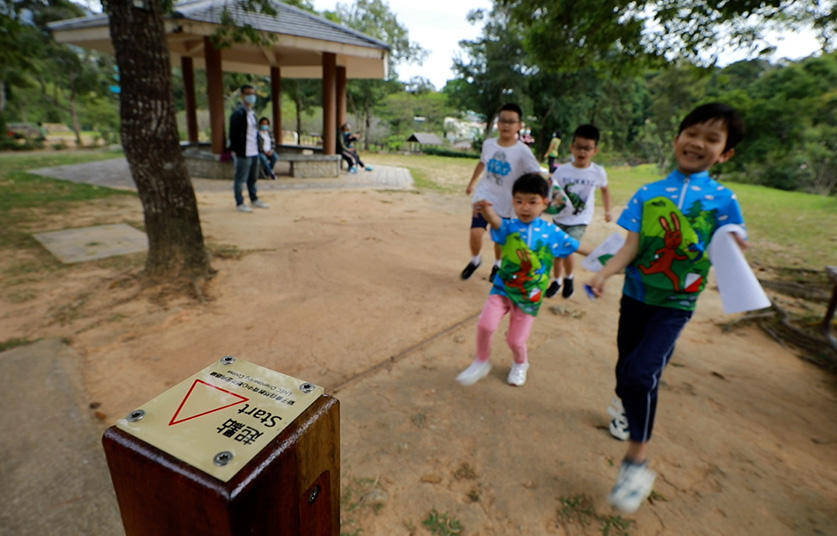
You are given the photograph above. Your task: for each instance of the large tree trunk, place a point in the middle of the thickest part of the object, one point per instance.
(151, 141)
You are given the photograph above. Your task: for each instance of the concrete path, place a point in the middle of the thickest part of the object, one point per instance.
(115, 174)
(53, 474)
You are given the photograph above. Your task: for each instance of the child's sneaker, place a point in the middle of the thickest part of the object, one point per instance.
(569, 288)
(494, 271)
(553, 289)
(633, 486)
(474, 373)
(469, 270)
(619, 424)
(353, 170)
(517, 374)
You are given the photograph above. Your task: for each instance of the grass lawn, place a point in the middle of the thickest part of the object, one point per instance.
(20, 190)
(790, 229)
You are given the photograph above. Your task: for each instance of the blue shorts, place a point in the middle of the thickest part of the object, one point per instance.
(478, 221)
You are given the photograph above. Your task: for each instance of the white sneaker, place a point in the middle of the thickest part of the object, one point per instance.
(243, 208)
(619, 423)
(517, 374)
(258, 203)
(633, 486)
(474, 373)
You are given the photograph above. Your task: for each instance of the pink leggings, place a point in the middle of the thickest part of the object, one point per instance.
(520, 326)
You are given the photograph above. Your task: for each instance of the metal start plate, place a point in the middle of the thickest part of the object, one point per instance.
(220, 418)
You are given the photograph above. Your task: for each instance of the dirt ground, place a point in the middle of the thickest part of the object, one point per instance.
(359, 291)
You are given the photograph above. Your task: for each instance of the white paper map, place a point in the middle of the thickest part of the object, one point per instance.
(597, 258)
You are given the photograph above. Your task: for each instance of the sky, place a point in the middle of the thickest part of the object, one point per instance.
(439, 25)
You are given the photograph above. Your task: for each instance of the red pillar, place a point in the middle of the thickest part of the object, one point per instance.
(276, 101)
(187, 66)
(341, 95)
(329, 103)
(215, 91)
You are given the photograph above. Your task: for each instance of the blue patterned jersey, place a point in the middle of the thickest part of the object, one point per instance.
(528, 250)
(675, 218)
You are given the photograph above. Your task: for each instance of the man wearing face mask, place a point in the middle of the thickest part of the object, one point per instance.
(245, 149)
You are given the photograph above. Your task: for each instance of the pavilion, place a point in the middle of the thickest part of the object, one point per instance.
(304, 46)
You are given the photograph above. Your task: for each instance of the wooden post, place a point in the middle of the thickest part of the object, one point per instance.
(186, 65)
(276, 99)
(341, 95)
(215, 91)
(329, 103)
(290, 487)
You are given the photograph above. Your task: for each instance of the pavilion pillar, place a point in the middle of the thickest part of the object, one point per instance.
(341, 95)
(276, 101)
(215, 91)
(329, 103)
(187, 66)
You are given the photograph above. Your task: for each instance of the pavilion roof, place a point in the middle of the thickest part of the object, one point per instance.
(301, 39)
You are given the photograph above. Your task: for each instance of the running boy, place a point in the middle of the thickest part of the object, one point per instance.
(529, 245)
(669, 223)
(503, 159)
(579, 180)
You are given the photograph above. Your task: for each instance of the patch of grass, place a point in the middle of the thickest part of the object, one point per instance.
(14, 343)
(442, 524)
(439, 173)
(579, 510)
(22, 192)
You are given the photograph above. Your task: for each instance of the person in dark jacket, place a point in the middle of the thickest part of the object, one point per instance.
(245, 149)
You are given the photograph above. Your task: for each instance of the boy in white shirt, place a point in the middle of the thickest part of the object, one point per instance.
(579, 181)
(503, 160)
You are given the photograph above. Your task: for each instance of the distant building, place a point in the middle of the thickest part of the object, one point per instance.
(418, 139)
(469, 129)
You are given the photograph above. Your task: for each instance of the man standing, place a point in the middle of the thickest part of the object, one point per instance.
(245, 149)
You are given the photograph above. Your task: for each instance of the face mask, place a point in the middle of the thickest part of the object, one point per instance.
(265, 127)
(250, 99)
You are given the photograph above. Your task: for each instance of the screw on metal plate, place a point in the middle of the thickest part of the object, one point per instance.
(314, 494)
(227, 360)
(135, 415)
(223, 458)
(306, 387)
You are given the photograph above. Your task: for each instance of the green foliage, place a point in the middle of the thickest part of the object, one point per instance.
(442, 524)
(491, 69)
(579, 510)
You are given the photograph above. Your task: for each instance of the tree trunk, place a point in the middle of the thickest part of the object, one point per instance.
(74, 116)
(152, 144)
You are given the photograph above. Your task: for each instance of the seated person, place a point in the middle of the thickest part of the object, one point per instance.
(345, 142)
(267, 154)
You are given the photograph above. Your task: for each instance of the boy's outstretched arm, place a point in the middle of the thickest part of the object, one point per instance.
(487, 211)
(606, 201)
(617, 263)
(475, 177)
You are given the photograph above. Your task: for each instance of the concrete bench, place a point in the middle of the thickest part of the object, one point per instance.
(304, 166)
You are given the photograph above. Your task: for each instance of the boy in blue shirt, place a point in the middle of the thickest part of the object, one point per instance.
(670, 224)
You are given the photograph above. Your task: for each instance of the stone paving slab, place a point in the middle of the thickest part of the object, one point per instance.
(54, 478)
(91, 243)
